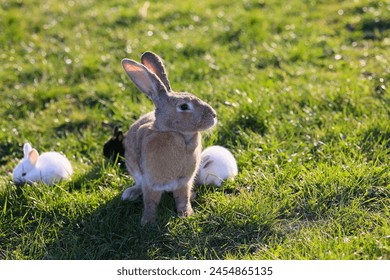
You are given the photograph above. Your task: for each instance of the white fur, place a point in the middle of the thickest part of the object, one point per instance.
(217, 164)
(48, 168)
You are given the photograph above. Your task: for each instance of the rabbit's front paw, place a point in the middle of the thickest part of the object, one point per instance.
(185, 212)
(131, 193)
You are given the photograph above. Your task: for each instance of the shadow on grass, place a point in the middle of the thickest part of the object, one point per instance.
(71, 229)
(113, 231)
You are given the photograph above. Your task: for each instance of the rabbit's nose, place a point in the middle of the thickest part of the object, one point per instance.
(212, 112)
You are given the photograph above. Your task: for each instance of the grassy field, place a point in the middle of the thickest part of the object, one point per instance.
(301, 89)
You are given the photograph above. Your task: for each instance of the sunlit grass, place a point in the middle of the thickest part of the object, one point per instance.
(301, 93)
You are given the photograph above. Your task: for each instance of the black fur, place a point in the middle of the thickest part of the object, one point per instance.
(114, 149)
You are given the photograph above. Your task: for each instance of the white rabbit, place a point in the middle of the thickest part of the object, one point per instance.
(162, 148)
(216, 165)
(48, 168)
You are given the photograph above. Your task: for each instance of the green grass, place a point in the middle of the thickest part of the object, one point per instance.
(301, 89)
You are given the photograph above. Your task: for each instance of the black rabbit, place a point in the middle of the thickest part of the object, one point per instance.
(114, 149)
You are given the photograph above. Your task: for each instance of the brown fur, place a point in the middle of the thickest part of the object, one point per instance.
(162, 148)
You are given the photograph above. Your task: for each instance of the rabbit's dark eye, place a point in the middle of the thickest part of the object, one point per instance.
(184, 107)
(24, 174)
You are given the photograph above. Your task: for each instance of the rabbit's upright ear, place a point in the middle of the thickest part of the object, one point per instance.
(144, 79)
(26, 149)
(33, 156)
(115, 131)
(120, 136)
(154, 63)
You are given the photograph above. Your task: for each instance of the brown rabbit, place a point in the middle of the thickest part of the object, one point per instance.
(163, 147)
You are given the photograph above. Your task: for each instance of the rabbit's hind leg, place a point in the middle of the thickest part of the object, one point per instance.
(135, 191)
(132, 193)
